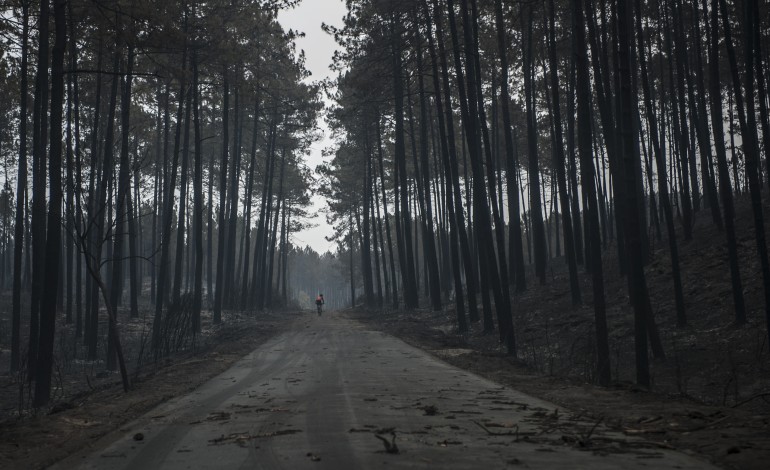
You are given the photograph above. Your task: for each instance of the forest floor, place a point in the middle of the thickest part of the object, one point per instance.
(709, 396)
(87, 409)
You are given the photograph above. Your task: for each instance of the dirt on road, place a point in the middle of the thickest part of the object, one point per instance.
(82, 419)
(332, 393)
(731, 437)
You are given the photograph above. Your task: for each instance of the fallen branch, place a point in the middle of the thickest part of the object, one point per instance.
(753, 397)
(516, 433)
(664, 430)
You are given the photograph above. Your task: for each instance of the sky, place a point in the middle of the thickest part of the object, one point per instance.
(319, 48)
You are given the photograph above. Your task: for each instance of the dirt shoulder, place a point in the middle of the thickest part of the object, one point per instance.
(39, 441)
(734, 438)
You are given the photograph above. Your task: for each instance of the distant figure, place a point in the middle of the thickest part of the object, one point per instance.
(319, 301)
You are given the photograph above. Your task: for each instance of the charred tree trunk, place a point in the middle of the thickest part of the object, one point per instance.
(387, 217)
(594, 259)
(454, 179)
(747, 120)
(533, 170)
(409, 280)
(219, 294)
(39, 139)
(569, 247)
(53, 239)
(121, 214)
(643, 316)
(168, 209)
(21, 195)
(725, 188)
(660, 160)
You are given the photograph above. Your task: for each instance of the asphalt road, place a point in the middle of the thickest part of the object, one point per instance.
(318, 397)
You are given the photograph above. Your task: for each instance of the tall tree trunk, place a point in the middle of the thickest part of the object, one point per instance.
(701, 124)
(168, 209)
(219, 294)
(471, 115)
(121, 214)
(249, 198)
(387, 216)
(21, 191)
(94, 225)
(762, 95)
(569, 247)
(53, 241)
(747, 119)
(387, 276)
(533, 170)
(627, 130)
(133, 206)
(603, 97)
(176, 290)
(680, 130)
(78, 180)
(266, 218)
(660, 159)
(453, 178)
(429, 235)
(366, 258)
(409, 280)
(259, 248)
(210, 237)
(373, 217)
(500, 282)
(231, 232)
(515, 248)
(594, 259)
(271, 248)
(39, 137)
(103, 187)
(462, 323)
(574, 192)
(725, 188)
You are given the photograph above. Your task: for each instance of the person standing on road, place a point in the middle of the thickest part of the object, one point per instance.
(319, 301)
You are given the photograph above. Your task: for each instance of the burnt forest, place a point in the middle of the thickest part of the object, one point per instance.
(564, 197)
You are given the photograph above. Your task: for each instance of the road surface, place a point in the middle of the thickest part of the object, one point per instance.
(329, 393)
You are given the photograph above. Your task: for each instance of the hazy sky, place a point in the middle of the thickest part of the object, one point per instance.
(319, 48)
